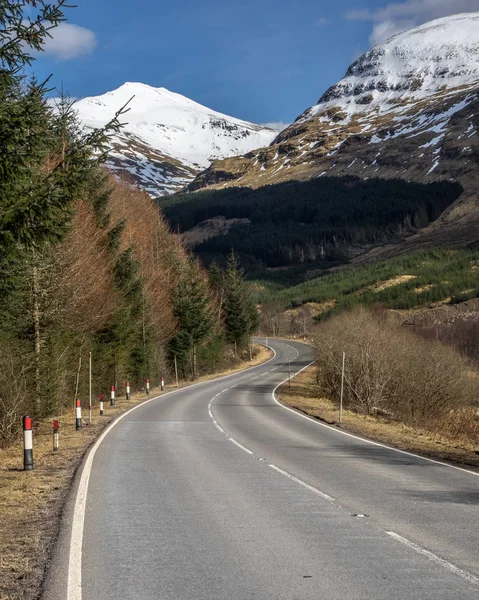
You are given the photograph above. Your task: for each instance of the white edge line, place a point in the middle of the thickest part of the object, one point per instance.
(303, 483)
(357, 437)
(444, 563)
(74, 578)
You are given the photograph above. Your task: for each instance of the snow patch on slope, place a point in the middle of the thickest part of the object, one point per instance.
(410, 66)
(174, 126)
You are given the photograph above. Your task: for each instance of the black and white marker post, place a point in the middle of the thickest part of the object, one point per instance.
(112, 396)
(162, 384)
(127, 387)
(100, 399)
(147, 387)
(78, 414)
(56, 437)
(27, 444)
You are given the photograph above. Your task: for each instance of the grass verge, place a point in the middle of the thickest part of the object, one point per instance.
(31, 502)
(303, 396)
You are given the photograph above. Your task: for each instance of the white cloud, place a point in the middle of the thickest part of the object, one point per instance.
(277, 126)
(322, 22)
(70, 41)
(400, 16)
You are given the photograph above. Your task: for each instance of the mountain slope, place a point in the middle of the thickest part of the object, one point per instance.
(167, 138)
(408, 108)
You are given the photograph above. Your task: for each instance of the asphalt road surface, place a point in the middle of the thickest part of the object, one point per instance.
(216, 492)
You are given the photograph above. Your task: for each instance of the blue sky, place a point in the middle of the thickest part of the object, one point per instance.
(260, 60)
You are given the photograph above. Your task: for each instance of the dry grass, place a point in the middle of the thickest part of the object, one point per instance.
(303, 396)
(31, 502)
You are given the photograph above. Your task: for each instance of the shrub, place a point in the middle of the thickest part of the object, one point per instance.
(391, 370)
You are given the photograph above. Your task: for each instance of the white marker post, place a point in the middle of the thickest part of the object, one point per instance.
(342, 390)
(162, 384)
(27, 444)
(100, 398)
(127, 387)
(78, 414)
(147, 387)
(89, 402)
(112, 396)
(176, 371)
(56, 437)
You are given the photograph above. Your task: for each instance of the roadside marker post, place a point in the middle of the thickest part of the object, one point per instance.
(100, 398)
(89, 393)
(162, 384)
(342, 390)
(176, 371)
(112, 396)
(78, 425)
(27, 444)
(147, 387)
(127, 387)
(55, 436)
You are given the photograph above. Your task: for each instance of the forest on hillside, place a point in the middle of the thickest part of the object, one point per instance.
(295, 223)
(87, 263)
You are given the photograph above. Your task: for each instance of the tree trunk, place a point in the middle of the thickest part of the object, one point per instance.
(37, 338)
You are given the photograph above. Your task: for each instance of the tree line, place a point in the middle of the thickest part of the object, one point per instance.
(296, 222)
(87, 263)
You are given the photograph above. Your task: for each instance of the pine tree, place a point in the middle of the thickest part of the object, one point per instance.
(192, 309)
(241, 316)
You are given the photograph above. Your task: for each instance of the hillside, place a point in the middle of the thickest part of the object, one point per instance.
(407, 109)
(167, 139)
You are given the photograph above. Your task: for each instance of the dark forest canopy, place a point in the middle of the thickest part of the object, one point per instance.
(297, 222)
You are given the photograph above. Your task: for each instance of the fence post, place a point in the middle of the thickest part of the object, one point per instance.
(27, 444)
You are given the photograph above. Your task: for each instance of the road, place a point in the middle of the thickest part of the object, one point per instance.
(218, 492)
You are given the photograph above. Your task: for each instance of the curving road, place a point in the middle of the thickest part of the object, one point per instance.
(218, 492)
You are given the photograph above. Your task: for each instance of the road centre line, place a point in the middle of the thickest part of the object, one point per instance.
(74, 576)
(303, 483)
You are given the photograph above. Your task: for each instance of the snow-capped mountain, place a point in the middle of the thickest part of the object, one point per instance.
(167, 138)
(408, 108)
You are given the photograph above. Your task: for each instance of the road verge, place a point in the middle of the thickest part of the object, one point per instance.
(302, 396)
(32, 502)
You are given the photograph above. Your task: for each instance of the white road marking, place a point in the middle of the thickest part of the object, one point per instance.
(247, 450)
(303, 483)
(356, 437)
(74, 579)
(444, 563)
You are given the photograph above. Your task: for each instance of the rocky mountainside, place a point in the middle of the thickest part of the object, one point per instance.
(167, 138)
(408, 108)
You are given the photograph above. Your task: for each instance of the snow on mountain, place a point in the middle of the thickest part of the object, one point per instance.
(167, 138)
(406, 108)
(412, 65)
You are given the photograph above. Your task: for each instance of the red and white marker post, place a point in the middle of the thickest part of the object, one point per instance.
(100, 400)
(127, 387)
(78, 414)
(27, 444)
(147, 387)
(112, 396)
(56, 437)
(162, 384)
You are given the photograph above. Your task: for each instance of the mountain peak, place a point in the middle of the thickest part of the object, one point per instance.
(429, 59)
(167, 138)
